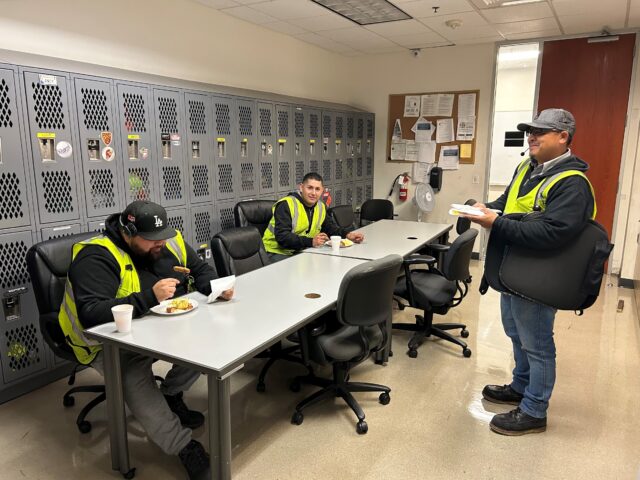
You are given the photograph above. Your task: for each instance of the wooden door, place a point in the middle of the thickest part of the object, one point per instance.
(592, 81)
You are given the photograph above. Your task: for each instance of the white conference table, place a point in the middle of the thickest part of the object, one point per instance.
(385, 237)
(217, 339)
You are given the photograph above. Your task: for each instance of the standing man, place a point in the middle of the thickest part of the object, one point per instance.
(133, 263)
(567, 203)
(300, 221)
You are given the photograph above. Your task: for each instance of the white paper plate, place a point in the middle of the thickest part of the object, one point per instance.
(161, 309)
(328, 244)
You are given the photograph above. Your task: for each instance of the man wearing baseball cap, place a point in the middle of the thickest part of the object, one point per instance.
(133, 263)
(566, 204)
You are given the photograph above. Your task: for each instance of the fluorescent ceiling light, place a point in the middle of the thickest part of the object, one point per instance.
(505, 3)
(365, 12)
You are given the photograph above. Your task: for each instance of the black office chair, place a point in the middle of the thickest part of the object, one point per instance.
(438, 249)
(343, 216)
(240, 250)
(363, 310)
(48, 263)
(375, 209)
(255, 213)
(436, 290)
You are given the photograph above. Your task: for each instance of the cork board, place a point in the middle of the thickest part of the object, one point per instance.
(397, 110)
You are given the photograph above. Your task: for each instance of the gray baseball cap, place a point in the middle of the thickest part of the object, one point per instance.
(551, 119)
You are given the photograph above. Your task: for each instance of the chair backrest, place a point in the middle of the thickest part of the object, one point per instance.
(376, 209)
(463, 224)
(366, 292)
(455, 264)
(343, 215)
(256, 213)
(238, 250)
(48, 263)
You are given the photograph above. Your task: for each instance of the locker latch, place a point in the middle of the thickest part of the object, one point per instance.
(93, 147)
(244, 147)
(195, 149)
(166, 145)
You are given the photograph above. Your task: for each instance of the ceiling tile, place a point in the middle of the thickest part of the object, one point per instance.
(356, 37)
(400, 27)
(424, 8)
(383, 50)
(416, 40)
(324, 22)
(469, 19)
(473, 25)
(528, 26)
(218, 3)
(478, 40)
(286, 9)
(518, 13)
(250, 2)
(470, 33)
(284, 27)
(593, 8)
(324, 42)
(533, 35)
(588, 23)
(249, 14)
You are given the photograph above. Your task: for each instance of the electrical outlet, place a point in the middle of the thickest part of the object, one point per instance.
(476, 179)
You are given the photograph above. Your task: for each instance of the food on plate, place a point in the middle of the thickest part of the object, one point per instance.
(345, 242)
(180, 269)
(179, 304)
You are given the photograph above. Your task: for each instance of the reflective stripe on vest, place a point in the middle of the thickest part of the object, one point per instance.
(84, 348)
(299, 224)
(538, 195)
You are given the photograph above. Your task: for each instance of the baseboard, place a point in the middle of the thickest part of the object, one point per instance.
(626, 283)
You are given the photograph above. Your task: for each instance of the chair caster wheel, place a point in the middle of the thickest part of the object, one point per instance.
(412, 353)
(68, 401)
(260, 387)
(297, 418)
(464, 333)
(295, 386)
(362, 427)
(384, 398)
(84, 427)
(130, 474)
(466, 352)
(391, 353)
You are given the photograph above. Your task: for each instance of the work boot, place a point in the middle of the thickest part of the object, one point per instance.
(501, 394)
(188, 418)
(195, 460)
(516, 422)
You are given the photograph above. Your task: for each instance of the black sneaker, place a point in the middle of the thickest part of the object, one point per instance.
(501, 394)
(516, 422)
(188, 418)
(195, 460)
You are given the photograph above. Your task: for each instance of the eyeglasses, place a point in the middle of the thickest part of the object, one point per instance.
(538, 132)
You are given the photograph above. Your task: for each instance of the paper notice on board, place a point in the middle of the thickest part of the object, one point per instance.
(467, 105)
(449, 158)
(466, 128)
(466, 150)
(420, 172)
(423, 130)
(429, 105)
(411, 151)
(427, 152)
(398, 150)
(445, 104)
(444, 130)
(412, 105)
(397, 131)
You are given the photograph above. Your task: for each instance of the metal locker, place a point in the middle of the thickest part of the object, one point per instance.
(359, 148)
(337, 195)
(266, 147)
(22, 351)
(348, 148)
(368, 190)
(139, 166)
(247, 148)
(299, 146)
(96, 226)
(337, 149)
(52, 145)
(369, 145)
(177, 218)
(99, 153)
(202, 230)
(199, 147)
(284, 152)
(348, 194)
(327, 145)
(225, 138)
(314, 141)
(359, 195)
(14, 207)
(170, 146)
(49, 233)
(224, 216)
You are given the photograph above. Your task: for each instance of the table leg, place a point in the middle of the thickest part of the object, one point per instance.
(220, 426)
(115, 411)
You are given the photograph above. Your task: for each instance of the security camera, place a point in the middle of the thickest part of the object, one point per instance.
(415, 52)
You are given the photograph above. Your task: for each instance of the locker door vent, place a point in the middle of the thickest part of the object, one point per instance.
(265, 122)
(246, 176)
(326, 126)
(360, 127)
(339, 127)
(313, 125)
(200, 180)
(13, 264)
(95, 110)
(139, 184)
(22, 347)
(57, 191)
(102, 188)
(225, 178)
(175, 222)
(283, 171)
(266, 169)
(197, 117)
(203, 227)
(134, 112)
(226, 218)
(337, 174)
(246, 124)
(349, 127)
(171, 180)
(359, 167)
(337, 196)
(299, 172)
(368, 191)
(5, 108)
(223, 119)
(299, 124)
(283, 123)
(10, 205)
(313, 166)
(369, 128)
(48, 106)
(168, 111)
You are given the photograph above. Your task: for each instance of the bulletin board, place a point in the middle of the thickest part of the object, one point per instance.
(397, 111)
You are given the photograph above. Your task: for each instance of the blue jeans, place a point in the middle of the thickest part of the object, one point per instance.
(530, 327)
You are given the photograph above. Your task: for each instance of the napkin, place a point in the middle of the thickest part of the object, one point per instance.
(219, 285)
(457, 209)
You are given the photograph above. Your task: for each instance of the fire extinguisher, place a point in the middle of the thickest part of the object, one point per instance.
(326, 197)
(403, 191)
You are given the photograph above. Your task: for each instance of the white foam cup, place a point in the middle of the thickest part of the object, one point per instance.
(335, 243)
(123, 314)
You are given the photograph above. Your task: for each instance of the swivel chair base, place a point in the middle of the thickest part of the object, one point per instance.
(426, 328)
(339, 386)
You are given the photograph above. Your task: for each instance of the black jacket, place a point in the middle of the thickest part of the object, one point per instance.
(569, 206)
(95, 277)
(289, 240)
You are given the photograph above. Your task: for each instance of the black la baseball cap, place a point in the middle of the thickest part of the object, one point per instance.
(149, 219)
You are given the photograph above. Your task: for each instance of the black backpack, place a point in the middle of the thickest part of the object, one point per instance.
(566, 278)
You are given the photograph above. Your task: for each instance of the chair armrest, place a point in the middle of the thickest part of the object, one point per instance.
(419, 260)
(438, 247)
